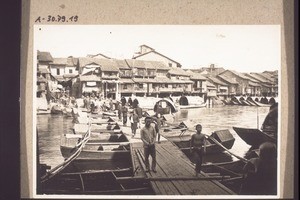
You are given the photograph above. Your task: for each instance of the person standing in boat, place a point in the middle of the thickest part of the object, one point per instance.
(148, 136)
(198, 147)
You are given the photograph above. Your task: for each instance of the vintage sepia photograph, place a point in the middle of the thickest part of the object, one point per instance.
(156, 111)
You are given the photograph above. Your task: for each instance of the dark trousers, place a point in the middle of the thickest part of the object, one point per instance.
(124, 119)
(197, 157)
(150, 150)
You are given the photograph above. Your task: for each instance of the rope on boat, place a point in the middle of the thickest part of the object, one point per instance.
(63, 165)
(219, 144)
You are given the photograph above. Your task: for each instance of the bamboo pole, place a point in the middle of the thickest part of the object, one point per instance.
(218, 143)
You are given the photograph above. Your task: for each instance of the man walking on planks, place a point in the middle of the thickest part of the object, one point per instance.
(198, 147)
(148, 136)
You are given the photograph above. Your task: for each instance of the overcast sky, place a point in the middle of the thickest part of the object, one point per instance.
(254, 48)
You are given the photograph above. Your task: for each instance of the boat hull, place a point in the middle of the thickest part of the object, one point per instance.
(95, 154)
(101, 181)
(192, 106)
(253, 137)
(184, 145)
(183, 141)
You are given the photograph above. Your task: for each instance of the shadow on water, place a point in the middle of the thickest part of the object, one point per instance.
(50, 127)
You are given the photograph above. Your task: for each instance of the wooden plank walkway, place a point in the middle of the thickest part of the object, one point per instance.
(175, 173)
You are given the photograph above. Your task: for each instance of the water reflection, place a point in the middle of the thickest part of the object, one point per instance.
(50, 127)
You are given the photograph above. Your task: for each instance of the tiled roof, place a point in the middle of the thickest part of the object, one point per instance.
(195, 76)
(143, 80)
(136, 63)
(251, 78)
(227, 79)
(59, 61)
(254, 84)
(212, 71)
(217, 81)
(146, 64)
(44, 56)
(121, 64)
(98, 54)
(159, 65)
(155, 52)
(257, 77)
(239, 74)
(178, 72)
(108, 65)
(105, 64)
(72, 61)
(267, 76)
(209, 84)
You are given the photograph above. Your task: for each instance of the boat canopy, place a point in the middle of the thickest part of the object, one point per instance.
(190, 100)
(165, 106)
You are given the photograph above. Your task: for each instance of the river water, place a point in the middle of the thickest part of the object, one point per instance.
(50, 128)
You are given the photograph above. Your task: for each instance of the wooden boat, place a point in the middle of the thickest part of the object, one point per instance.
(101, 146)
(78, 176)
(255, 137)
(235, 101)
(95, 128)
(190, 106)
(189, 102)
(165, 106)
(231, 171)
(181, 137)
(257, 103)
(226, 102)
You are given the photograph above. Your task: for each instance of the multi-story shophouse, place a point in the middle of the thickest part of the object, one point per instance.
(231, 82)
(157, 86)
(243, 81)
(98, 76)
(221, 87)
(89, 80)
(266, 86)
(181, 82)
(109, 73)
(44, 59)
(125, 82)
(254, 85)
(143, 74)
(272, 77)
(64, 71)
(199, 83)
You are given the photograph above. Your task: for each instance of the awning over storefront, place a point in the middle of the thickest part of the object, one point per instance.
(110, 81)
(125, 80)
(90, 89)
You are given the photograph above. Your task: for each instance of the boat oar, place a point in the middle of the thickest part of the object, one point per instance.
(61, 166)
(219, 144)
